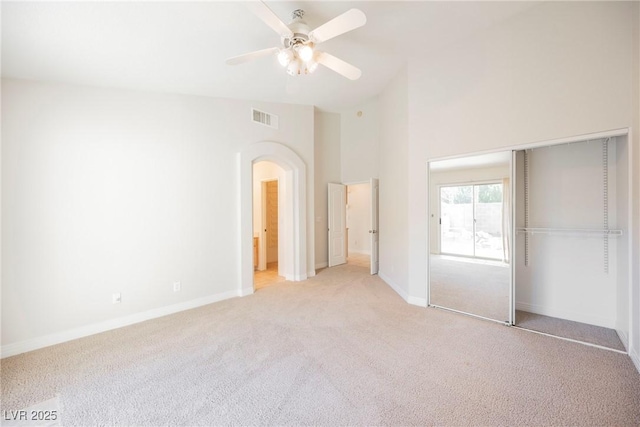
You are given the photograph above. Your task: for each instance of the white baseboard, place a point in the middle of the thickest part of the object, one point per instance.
(394, 286)
(311, 273)
(294, 278)
(624, 338)
(420, 302)
(322, 265)
(246, 291)
(568, 315)
(96, 328)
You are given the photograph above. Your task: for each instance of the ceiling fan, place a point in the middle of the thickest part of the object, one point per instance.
(298, 52)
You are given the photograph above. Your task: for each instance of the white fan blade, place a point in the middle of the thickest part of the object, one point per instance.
(263, 12)
(251, 56)
(350, 20)
(338, 65)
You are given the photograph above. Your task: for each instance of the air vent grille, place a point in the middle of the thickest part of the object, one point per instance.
(263, 118)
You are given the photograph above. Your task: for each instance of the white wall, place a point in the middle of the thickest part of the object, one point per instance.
(358, 218)
(456, 176)
(558, 69)
(359, 142)
(328, 169)
(393, 193)
(108, 191)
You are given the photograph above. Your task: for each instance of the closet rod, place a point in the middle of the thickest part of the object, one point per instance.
(585, 231)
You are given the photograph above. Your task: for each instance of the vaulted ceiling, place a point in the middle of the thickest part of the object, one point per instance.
(181, 47)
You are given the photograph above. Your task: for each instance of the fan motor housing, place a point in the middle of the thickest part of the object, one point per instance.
(299, 28)
(298, 38)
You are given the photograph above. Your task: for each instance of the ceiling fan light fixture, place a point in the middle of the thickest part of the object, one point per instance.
(306, 53)
(311, 66)
(293, 68)
(284, 57)
(297, 52)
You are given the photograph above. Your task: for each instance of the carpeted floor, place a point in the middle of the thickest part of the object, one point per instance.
(567, 329)
(341, 348)
(482, 288)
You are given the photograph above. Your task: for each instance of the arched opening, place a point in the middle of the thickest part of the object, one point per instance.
(293, 188)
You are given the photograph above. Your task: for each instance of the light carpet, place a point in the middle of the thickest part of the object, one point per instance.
(568, 329)
(339, 349)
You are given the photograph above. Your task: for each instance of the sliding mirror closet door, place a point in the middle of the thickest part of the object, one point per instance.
(470, 211)
(572, 251)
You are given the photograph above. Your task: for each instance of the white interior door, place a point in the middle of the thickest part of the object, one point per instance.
(374, 226)
(337, 218)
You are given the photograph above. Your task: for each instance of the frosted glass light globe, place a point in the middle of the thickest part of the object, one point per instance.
(284, 57)
(305, 53)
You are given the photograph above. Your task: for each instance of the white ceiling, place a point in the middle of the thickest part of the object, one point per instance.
(181, 47)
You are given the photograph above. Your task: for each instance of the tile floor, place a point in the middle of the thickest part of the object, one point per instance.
(262, 279)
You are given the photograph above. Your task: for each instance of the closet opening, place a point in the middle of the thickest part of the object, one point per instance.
(571, 248)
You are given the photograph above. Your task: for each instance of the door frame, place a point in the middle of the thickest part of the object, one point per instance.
(374, 224)
(294, 187)
(374, 256)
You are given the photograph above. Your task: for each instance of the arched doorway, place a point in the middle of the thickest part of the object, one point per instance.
(294, 258)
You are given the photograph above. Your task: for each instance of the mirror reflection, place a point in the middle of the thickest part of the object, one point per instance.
(470, 234)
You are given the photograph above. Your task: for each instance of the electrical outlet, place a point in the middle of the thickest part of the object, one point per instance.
(116, 298)
(177, 286)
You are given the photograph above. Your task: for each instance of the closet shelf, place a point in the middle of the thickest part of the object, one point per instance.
(571, 231)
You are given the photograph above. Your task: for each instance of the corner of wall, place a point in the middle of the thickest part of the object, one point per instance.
(635, 358)
(393, 285)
